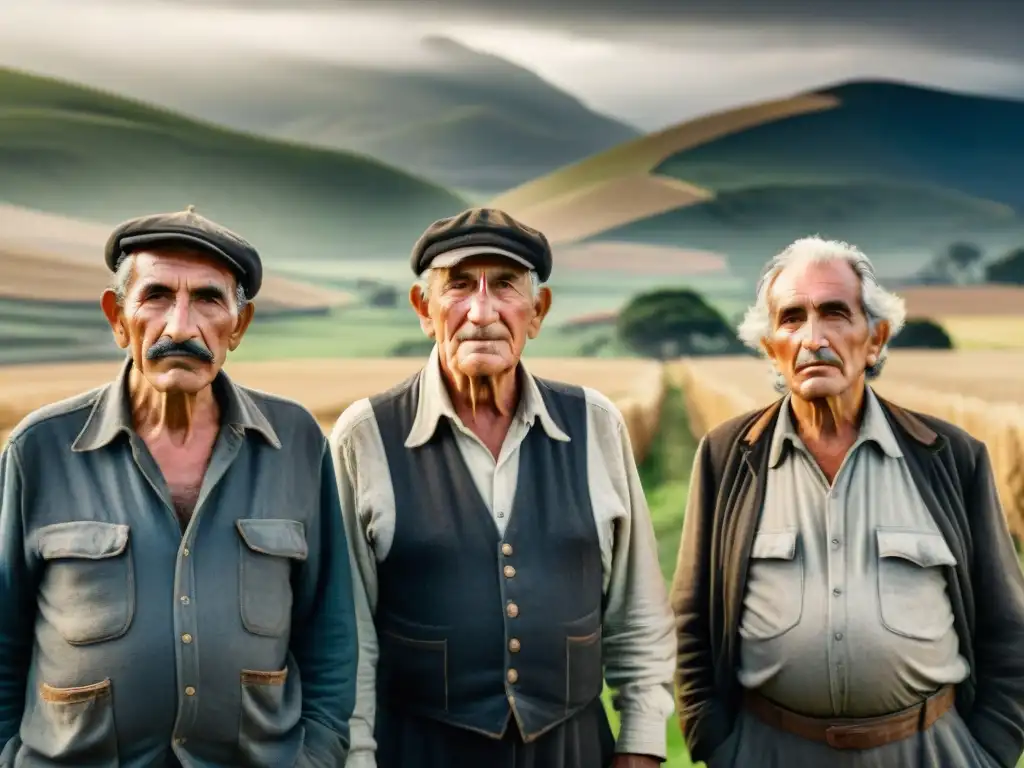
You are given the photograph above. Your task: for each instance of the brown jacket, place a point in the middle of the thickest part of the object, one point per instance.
(953, 473)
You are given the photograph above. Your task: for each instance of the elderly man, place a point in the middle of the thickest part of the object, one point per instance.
(504, 556)
(847, 592)
(173, 571)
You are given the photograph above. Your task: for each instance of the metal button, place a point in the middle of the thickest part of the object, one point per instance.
(501, 514)
(837, 591)
(835, 542)
(506, 549)
(513, 645)
(184, 600)
(839, 635)
(190, 691)
(180, 740)
(512, 610)
(184, 552)
(511, 699)
(509, 571)
(186, 638)
(512, 676)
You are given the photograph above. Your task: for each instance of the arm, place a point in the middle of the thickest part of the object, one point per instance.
(638, 645)
(324, 633)
(16, 603)
(704, 724)
(364, 582)
(997, 717)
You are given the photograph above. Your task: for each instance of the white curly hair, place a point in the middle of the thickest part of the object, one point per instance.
(878, 304)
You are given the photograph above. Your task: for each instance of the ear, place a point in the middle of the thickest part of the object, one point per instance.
(112, 311)
(541, 307)
(878, 340)
(421, 304)
(241, 325)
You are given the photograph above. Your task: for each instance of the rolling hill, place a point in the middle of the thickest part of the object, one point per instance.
(898, 169)
(465, 119)
(81, 153)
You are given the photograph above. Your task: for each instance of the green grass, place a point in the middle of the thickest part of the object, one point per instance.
(665, 476)
(67, 149)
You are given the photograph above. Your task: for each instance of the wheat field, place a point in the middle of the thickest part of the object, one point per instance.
(326, 387)
(981, 391)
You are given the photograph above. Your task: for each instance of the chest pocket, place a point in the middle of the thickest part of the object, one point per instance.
(774, 601)
(87, 591)
(269, 548)
(912, 596)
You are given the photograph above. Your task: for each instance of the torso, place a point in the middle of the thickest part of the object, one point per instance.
(183, 468)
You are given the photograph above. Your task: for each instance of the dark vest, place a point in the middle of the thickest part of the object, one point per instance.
(472, 625)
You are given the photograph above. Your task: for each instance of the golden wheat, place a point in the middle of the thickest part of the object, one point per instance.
(980, 391)
(327, 387)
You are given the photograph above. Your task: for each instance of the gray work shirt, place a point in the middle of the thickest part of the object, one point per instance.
(639, 645)
(128, 642)
(846, 612)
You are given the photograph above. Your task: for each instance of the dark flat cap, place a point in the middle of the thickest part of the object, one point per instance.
(477, 232)
(188, 229)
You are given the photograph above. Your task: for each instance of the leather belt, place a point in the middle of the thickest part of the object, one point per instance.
(853, 733)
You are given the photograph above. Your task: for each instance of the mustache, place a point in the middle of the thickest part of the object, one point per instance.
(821, 356)
(166, 347)
(486, 333)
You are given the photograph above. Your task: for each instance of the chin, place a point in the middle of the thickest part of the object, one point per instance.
(480, 365)
(181, 380)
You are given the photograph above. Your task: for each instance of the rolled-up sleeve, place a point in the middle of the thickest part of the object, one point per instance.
(639, 646)
(17, 604)
(324, 640)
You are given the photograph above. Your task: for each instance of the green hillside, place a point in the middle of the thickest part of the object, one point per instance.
(898, 169)
(79, 152)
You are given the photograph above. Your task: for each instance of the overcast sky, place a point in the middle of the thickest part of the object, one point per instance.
(649, 63)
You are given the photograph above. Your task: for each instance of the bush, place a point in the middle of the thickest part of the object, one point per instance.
(922, 333)
(673, 322)
(1007, 270)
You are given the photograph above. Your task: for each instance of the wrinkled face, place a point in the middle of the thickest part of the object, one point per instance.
(820, 340)
(178, 319)
(481, 313)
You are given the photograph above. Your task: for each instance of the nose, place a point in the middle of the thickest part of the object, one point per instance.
(180, 324)
(813, 339)
(481, 307)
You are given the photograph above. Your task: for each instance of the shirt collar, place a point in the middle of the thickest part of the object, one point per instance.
(874, 428)
(112, 415)
(435, 403)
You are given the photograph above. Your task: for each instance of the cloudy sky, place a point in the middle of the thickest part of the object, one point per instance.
(649, 63)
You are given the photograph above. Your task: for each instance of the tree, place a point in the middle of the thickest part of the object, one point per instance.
(922, 333)
(1007, 270)
(672, 322)
(959, 264)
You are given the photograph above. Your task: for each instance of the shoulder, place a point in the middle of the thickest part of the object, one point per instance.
(356, 421)
(291, 420)
(732, 430)
(56, 423)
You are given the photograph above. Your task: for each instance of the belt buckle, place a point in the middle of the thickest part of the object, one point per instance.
(838, 736)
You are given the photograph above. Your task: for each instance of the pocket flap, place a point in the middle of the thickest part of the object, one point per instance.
(87, 539)
(774, 545)
(925, 548)
(280, 538)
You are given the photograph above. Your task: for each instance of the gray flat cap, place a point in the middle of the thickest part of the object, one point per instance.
(188, 229)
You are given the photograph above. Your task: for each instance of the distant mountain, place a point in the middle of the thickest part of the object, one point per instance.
(894, 168)
(467, 120)
(78, 152)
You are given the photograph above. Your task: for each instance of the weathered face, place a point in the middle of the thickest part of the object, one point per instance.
(820, 340)
(481, 313)
(179, 319)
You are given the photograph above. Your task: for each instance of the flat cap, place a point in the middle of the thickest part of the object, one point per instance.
(480, 231)
(188, 229)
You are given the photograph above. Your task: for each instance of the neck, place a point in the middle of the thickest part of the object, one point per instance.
(483, 399)
(174, 415)
(829, 418)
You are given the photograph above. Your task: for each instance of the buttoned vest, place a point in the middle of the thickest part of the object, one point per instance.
(473, 625)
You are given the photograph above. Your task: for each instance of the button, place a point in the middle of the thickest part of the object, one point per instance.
(513, 645)
(512, 676)
(509, 571)
(837, 591)
(190, 691)
(180, 740)
(835, 542)
(184, 600)
(511, 699)
(184, 552)
(839, 635)
(501, 514)
(512, 610)
(506, 549)
(186, 638)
